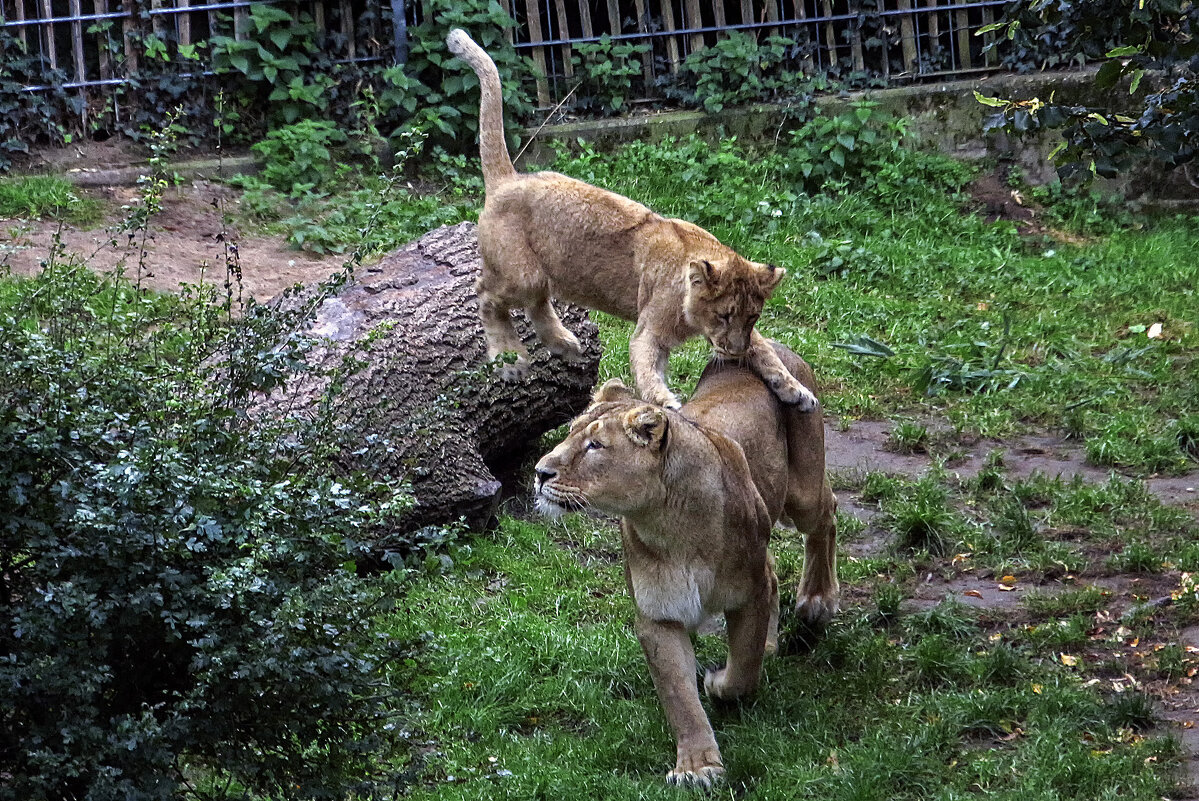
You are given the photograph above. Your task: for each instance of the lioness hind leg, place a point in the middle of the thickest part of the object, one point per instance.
(818, 597)
(671, 660)
(747, 645)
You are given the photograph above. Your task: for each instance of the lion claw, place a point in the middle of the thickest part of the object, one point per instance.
(816, 609)
(702, 778)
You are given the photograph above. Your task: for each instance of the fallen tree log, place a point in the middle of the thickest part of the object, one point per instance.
(425, 406)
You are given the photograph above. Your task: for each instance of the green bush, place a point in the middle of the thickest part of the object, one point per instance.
(300, 157)
(178, 600)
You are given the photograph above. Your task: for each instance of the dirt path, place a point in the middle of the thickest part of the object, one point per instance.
(186, 242)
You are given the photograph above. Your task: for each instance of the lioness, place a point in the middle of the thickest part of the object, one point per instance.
(545, 234)
(698, 491)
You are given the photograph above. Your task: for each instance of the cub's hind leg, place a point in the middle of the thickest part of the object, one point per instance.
(510, 279)
(815, 514)
(495, 315)
(556, 337)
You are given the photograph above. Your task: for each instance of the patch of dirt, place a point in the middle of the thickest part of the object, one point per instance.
(186, 242)
(862, 448)
(994, 200)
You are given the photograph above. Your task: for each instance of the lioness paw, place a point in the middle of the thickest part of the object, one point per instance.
(793, 393)
(701, 770)
(717, 685)
(816, 609)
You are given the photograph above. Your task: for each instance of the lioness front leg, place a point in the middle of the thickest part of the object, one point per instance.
(649, 358)
(765, 362)
(671, 659)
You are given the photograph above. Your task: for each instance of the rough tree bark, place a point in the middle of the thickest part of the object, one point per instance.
(426, 406)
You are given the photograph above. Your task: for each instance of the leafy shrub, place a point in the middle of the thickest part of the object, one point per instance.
(736, 70)
(608, 70)
(30, 117)
(177, 589)
(300, 157)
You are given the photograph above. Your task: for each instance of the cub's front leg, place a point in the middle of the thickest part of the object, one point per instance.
(765, 362)
(649, 357)
(671, 659)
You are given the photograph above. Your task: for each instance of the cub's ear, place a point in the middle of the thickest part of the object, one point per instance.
(769, 276)
(700, 272)
(646, 426)
(612, 390)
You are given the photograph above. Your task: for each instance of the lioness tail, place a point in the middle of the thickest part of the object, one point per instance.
(493, 149)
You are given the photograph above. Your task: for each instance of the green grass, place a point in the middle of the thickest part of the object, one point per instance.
(46, 196)
(531, 684)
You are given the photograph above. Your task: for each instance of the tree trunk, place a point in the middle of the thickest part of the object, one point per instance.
(426, 407)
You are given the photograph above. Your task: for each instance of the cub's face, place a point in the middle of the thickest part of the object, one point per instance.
(724, 300)
(610, 461)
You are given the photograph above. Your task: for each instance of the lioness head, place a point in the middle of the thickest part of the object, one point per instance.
(611, 460)
(724, 300)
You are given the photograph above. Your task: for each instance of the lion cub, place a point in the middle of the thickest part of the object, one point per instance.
(544, 235)
(698, 491)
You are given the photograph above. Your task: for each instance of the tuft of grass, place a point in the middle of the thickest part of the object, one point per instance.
(908, 437)
(43, 196)
(922, 519)
(1087, 600)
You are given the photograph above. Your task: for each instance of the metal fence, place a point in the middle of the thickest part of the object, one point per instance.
(93, 44)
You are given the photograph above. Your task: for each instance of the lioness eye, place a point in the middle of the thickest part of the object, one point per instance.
(592, 445)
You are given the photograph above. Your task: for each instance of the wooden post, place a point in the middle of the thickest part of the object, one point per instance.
(991, 57)
(533, 17)
(183, 22)
(907, 33)
(346, 16)
(47, 30)
(19, 7)
(772, 15)
(855, 41)
(962, 23)
(934, 28)
(613, 17)
(647, 59)
(129, 30)
(694, 20)
(799, 11)
(77, 41)
(718, 15)
(830, 33)
(102, 42)
(568, 69)
(672, 44)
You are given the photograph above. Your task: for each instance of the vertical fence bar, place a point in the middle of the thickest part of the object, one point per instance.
(962, 23)
(183, 22)
(855, 40)
(568, 68)
(613, 17)
(157, 27)
(772, 15)
(934, 31)
(991, 57)
(103, 40)
(19, 13)
(830, 33)
(647, 59)
(907, 33)
(799, 10)
(47, 35)
(672, 44)
(77, 40)
(694, 20)
(129, 29)
(585, 19)
(346, 19)
(533, 19)
(718, 14)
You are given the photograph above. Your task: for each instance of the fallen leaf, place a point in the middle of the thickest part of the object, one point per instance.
(1036, 688)
(1006, 587)
(1155, 331)
(996, 637)
(973, 593)
(1008, 579)
(1069, 661)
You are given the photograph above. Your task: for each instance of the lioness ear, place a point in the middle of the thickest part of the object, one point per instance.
(645, 426)
(769, 276)
(700, 272)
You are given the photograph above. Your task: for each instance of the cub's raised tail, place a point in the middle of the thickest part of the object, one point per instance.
(493, 149)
